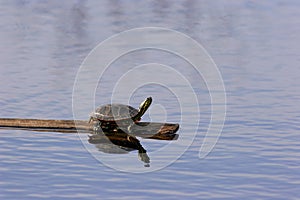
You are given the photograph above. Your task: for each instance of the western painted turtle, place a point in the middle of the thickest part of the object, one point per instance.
(112, 117)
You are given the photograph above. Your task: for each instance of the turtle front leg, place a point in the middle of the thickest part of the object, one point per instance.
(92, 118)
(97, 126)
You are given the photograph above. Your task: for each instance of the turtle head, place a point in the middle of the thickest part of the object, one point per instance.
(144, 106)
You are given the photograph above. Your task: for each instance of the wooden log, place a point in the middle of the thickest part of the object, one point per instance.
(153, 130)
(44, 124)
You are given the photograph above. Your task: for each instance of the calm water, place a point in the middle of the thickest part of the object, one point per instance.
(256, 48)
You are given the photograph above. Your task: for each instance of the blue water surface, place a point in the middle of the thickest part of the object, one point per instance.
(256, 48)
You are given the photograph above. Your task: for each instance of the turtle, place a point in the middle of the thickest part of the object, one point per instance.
(114, 117)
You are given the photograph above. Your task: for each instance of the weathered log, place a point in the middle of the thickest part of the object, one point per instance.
(45, 124)
(153, 130)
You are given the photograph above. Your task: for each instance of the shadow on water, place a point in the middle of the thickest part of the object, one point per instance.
(119, 143)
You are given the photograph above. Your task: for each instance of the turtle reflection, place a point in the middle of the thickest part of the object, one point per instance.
(119, 143)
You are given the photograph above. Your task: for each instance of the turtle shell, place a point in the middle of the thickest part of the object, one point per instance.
(114, 112)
